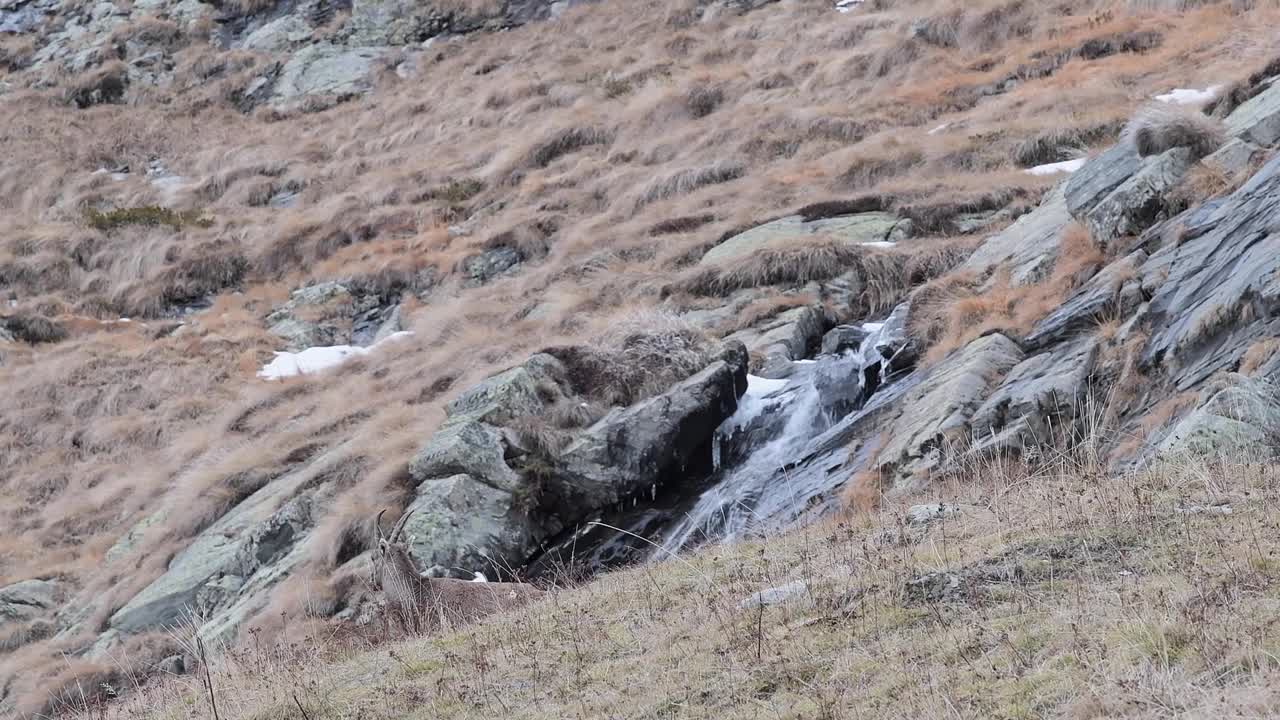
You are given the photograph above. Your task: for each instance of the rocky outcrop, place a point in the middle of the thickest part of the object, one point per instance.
(1258, 119)
(1028, 248)
(1217, 292)
(489, 492)
(27, 600)
(792, 335)
(326, 71)
(856, 229)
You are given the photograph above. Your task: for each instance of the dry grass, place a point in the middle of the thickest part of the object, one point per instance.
(1043, 595)
(727, 121)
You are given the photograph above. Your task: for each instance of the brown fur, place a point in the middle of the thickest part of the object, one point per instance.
(422, 604)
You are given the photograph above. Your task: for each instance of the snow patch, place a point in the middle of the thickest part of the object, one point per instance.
(316, 359)
(879, 244)
(845, 6)
(1058, 167)
(939, 129)
(1190, 96)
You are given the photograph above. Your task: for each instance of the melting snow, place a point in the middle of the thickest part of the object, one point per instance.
(316, 359)
(939, 129)
(845, 6)
(1052, 168)
(1189, 96)
(879, 244)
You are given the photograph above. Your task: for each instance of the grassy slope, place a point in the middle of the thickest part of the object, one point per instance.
(1078, 597)
(113, 423)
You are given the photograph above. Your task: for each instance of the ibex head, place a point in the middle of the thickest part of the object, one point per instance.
(390, 550)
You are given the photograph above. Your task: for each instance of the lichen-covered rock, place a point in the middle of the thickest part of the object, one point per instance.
(27, 600)
(935, 414)
(857, 229)
(1237, 417)
(278, 35)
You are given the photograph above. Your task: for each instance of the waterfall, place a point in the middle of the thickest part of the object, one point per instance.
(757, 489)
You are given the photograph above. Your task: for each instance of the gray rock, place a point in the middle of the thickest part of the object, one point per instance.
(129, 541)
(636, 448)
(509, 394)
(390, 326)
(238, 557)
(934, 415)
(934, 587)
(1027, 248)
(1099, 177)
(278, 35)
(459, 522)
(484, 267)
(327, 70)
(776, 596)
(1216, 292)
(1258, 119)
(1138, 202)
(1100, 296)
(1234, 158)
(1237, 417)
(300, 335)
(1038, 402)
(27, 600)
(842, 338)
(465, 446)
(849, 229)
(790, 336)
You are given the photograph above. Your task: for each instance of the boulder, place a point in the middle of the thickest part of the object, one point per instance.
(467, 446)
(511, 393)
(227, 571)
(278, 35)
(486, 266)
(1099, 177)
(1138, 202)
(934, 415)
(1258, 119)
(842, 338)
(460, 522)
(1236, 416)
(27, 600)
(637, 449)
(857, 229)
(792, 335)
(326, 71)
(1235, 157)
(1027, 248)
(1218, 290)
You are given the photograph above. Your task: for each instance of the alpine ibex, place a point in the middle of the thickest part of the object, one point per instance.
(423, 603)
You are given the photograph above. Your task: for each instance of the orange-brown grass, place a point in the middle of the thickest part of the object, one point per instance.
(952, 311)
(735, 120)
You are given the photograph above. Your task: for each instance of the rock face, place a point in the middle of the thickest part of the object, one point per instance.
(1028, 248)
(790, 336)
(1258, 119)
(1217, 292)
(328, 71)
(935, 415)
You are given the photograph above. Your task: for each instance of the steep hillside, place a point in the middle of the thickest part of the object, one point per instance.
(557, 246)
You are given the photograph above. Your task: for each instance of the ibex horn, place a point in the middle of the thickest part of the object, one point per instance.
(395, 533)
(377, 523)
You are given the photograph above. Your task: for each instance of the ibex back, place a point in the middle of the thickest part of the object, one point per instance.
(423, 603)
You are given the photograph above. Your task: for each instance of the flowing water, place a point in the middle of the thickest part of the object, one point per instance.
(775, 462)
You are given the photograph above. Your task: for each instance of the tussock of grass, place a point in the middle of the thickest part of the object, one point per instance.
(687, 181)
(1160, 127)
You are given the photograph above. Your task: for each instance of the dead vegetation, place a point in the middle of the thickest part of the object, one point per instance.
(1039, 593)
(646, 134)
